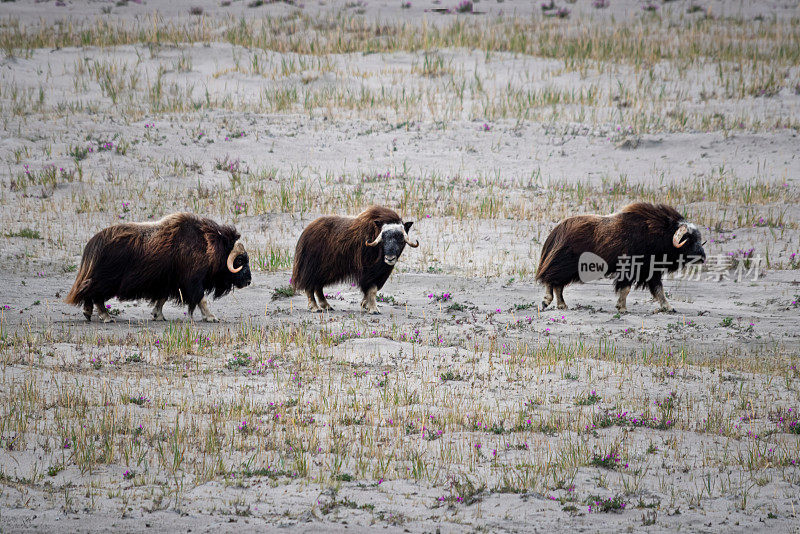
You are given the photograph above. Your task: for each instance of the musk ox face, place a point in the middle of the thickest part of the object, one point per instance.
(393, 238)
(687, 240)
(238, 264)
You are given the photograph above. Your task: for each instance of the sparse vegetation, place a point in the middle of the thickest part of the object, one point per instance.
(483, 129)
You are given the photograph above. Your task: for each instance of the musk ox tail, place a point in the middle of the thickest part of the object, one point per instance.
(303, 270)
(548, 254)
(80, 291)
(558, 264)
(296, 283)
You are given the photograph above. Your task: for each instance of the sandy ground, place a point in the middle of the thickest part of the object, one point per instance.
(470, 412)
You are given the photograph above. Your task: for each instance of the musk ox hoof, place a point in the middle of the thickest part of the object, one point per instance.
(88, 317)
(158, 317)
(210, 319)
(543, 305)
(666, 309)
(373, 309)
(326, 307)
(108, 320)
(563, 306)
(621, 309)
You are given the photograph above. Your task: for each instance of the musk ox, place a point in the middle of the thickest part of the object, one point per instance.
(182, 257)
(635, 246)
(363, 250)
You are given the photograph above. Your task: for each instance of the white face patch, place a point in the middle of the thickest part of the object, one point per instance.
(691, 227)
(393, 226)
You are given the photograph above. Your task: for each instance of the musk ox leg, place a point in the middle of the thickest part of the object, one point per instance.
(323, 302)
(158, 314)
(87, 310)
(560, 298)
(207, 315)
(622, 299)
(548, 296)
(102, 312)
(192, 295)
(368, 304)
(312, 304)
(657, 290)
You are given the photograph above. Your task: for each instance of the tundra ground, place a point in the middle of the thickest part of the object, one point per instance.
(461, 407)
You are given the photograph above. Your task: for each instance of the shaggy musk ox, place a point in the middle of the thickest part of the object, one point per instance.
(338, 249)
(638, 244)
(181, 257)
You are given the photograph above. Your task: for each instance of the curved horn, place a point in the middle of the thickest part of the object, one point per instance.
(238, 248)
(409, 243)
(377, 240)
(679, 233)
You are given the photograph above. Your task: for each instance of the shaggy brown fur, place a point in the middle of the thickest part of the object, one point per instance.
(333, 249)
(638, 230)
(181, 257)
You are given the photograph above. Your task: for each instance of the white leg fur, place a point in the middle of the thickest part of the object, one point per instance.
(103, 313)
(560, 298)
(369, 304)
(312, 304)
(158, 314)
(622, 300)
(662, 300)
(548, 296)
(323, 302)
(207, 315)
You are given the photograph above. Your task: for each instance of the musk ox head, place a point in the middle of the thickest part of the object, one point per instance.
(686, 241)
(393, 238)
(237, 271)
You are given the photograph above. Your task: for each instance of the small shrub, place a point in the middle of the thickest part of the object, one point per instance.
(239, 359)
(53, 470)
(605, 505)
(140, 400)
(283, 292)
(611, 460)
(26, 233)
(450, 375)
(465, 6)
(388, 299)
(588, 400)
